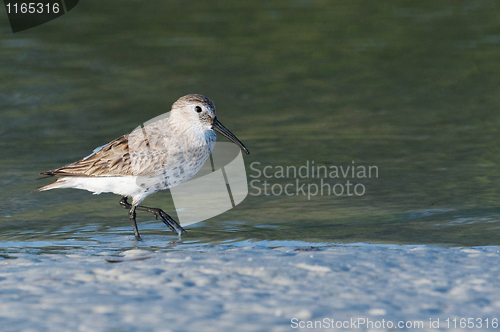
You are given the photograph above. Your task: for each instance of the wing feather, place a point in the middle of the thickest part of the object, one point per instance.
(143, 152)
(113, 159)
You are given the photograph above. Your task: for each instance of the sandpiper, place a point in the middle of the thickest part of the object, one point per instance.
(157, 156)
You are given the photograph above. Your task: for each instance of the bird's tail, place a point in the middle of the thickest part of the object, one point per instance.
(59, 183)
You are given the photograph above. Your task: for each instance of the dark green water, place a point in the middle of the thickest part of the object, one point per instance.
(410, 87)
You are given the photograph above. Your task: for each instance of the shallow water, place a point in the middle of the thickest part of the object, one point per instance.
(411, 88)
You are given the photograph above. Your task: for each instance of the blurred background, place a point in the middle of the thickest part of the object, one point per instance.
(411, 87)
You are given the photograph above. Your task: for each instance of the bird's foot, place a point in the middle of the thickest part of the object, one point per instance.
(169, 221)
(159, 213)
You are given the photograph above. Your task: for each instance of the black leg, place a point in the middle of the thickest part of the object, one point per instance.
(169, 221)
(131, 214)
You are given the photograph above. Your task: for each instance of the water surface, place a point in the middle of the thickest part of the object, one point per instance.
(411, 88)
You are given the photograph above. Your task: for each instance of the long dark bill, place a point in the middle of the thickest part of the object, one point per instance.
(218, 127)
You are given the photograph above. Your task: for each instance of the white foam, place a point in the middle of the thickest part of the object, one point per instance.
(254, 289)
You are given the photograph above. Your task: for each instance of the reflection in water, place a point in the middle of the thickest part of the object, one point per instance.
(410, 88)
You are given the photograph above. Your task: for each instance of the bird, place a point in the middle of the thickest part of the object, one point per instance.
(164, 153)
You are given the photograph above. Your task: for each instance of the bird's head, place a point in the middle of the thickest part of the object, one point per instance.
(199, 112)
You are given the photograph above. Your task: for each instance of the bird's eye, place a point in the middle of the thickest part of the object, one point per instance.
(197, 109)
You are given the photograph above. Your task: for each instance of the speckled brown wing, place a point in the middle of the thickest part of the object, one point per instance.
(143, 152)
(111, 160)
